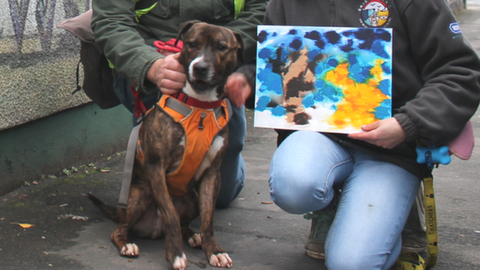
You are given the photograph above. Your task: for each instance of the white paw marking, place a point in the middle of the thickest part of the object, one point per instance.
(130, 250)
(180, 263)
(195, 240)
(221, 260)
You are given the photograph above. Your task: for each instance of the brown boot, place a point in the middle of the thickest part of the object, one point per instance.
(414, 236)
(321, 222)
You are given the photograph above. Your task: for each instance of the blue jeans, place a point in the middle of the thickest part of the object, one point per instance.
(232, 169)
(376, 197)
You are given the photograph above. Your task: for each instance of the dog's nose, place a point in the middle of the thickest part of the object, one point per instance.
(200, 69)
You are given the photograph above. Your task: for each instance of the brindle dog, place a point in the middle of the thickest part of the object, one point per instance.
(209, 55)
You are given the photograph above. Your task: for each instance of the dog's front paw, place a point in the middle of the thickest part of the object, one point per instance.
(130, 250)
(180, 263)
(195, 240)
(221, 260)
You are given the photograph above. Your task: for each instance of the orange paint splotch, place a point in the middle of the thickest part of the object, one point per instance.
(360, 99)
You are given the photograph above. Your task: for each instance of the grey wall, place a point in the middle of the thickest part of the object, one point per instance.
(37, 59)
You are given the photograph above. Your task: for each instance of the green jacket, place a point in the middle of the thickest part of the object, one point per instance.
(127, 36)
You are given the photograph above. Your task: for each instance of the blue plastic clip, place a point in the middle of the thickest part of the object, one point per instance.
(433, 155)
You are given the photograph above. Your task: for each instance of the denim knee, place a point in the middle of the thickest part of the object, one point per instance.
(298, 197)
(304, 170)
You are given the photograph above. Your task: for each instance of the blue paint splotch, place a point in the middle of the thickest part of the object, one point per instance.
(384, 110)
(308, 101)
(270, 81)
(379, 49)
(333, 37)
(328, 93)
(279, 111)
(386, 87)
(262, 103)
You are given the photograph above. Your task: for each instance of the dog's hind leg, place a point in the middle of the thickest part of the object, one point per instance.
(138, 203)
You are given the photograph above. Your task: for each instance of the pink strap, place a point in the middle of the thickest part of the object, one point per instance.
(462, 146)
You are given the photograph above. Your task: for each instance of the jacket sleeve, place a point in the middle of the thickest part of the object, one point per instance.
(450, 70)
(275, 14)
(246, 24)
(113, 23)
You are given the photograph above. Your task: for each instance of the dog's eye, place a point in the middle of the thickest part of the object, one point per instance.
(221, 47)
(191, 45)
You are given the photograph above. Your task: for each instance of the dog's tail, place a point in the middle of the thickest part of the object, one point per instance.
(108, 210)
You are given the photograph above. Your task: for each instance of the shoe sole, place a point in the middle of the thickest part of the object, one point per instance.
(415, 249)
(315, 255)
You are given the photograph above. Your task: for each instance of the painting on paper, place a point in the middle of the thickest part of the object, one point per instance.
(330, 79)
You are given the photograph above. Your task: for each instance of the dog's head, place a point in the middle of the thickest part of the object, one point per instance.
(210, 54)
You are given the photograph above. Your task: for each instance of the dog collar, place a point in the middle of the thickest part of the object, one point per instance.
(197, 103)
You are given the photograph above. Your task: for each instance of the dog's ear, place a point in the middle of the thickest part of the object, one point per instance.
(240, 55)
(184, 27)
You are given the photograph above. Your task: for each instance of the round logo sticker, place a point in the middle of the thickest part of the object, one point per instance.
(374, 13)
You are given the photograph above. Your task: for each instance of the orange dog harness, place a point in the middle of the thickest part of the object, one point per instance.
(201, 125)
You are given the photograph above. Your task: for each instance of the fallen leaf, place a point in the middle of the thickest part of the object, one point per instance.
(23, 225)
(74, 217)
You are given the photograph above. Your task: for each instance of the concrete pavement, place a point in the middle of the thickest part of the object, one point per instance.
(70, 233)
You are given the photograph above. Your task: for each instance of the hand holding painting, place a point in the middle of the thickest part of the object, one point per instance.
(385, 133)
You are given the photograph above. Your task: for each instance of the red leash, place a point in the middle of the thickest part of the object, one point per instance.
(170, 47)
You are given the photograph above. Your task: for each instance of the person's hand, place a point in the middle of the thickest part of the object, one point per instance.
(168, 74)
(237, 89)
(385, 133)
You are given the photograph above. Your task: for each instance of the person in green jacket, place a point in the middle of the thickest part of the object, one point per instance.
(126, 30)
